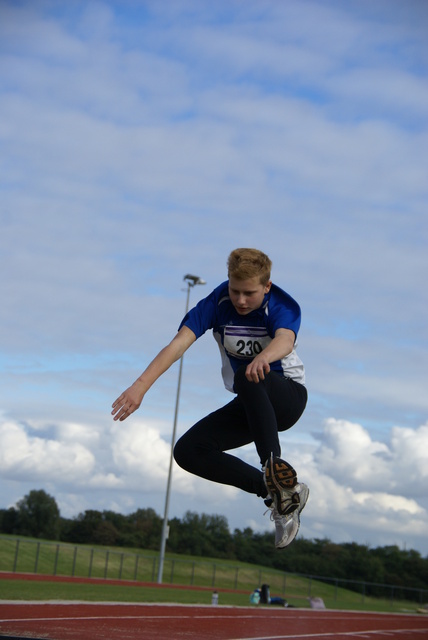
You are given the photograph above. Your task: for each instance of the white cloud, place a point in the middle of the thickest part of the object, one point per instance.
(35, 32)
(24, 456)
(411, 452)
(349, 454)
(352, 457)
(142, 458)
(365, 490)
(360, 489)
(141, 452)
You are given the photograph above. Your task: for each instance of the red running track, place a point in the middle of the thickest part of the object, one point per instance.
(107, 621)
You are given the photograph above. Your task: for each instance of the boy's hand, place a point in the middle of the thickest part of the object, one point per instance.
(128, 402)
(257, 369)
(278, 348)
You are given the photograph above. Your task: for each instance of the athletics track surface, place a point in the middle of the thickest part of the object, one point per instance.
(111, 621)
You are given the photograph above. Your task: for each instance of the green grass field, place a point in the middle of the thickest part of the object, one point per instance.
(48, 591)
(25, 555)
(234, 580)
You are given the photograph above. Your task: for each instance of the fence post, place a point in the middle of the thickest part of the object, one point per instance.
(36, 562)
(15, 561)
(214, 571)
(106, 564)
(192, 575)
(172, 571)
(236, 577)
(56, 560)
(121, 566)
(137, 557)
(90, 562)
(283, 584)
(154, 568)
(74, 562)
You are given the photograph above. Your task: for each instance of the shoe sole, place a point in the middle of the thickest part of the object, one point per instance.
(280, 475)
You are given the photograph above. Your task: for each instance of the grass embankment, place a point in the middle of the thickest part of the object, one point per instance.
(193, 578)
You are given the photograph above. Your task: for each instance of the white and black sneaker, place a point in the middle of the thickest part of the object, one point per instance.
(288, 499)
(287, 527)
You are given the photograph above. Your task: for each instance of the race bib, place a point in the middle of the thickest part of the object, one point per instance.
(245, 342)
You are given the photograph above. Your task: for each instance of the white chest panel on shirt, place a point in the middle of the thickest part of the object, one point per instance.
(245, 342)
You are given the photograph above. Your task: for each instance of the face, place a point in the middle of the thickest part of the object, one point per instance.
(247, 295)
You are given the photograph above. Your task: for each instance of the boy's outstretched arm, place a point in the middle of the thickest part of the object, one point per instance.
(131, 398)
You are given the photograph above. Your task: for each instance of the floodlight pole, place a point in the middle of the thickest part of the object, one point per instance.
(191, 282)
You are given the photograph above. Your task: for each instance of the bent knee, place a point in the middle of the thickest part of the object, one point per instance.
(181, 452)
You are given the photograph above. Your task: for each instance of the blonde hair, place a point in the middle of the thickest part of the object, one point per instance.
(249, 263)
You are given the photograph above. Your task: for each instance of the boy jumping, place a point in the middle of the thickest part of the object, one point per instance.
(255, 324)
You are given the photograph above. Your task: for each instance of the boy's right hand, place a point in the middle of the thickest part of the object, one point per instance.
(128, 402)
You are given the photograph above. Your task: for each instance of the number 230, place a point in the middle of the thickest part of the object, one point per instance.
(252, 348)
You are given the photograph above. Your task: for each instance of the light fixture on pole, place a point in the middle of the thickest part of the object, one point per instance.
(191, 282)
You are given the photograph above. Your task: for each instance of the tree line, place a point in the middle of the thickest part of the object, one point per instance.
(37, 515)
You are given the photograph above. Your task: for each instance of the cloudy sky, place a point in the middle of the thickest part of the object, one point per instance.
(144, 140)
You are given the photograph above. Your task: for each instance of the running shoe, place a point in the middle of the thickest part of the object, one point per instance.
(287, 527)
(281, 482)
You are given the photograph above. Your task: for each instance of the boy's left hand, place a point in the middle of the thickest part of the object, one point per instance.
(257, 369)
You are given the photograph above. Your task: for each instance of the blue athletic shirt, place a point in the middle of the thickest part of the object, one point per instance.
(241, 338)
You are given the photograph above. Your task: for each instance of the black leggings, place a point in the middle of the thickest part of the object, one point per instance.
(257, 413)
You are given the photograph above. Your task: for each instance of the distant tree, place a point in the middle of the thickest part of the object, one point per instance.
(38, 515)
(201, 535)
(9, 521)
(82, 529)
(252, 547)
(105, 534)
(220, 536)
(141, 529)
(144, 528)
(119, 521)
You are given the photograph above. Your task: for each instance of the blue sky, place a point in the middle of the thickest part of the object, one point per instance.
(141, 141)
